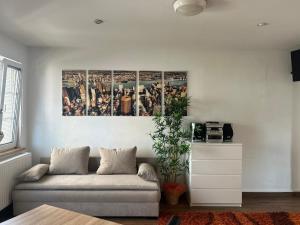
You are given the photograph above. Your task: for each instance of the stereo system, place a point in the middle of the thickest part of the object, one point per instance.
(212, 132)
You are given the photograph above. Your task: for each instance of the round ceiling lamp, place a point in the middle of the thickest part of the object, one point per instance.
(189, 7)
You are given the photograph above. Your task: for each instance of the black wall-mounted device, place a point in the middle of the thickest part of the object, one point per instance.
(295, 56)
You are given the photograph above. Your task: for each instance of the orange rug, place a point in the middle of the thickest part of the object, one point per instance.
(232, 218)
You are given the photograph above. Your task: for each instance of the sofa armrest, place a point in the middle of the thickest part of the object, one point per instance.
(147, 172)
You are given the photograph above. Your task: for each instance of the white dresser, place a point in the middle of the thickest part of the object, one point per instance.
(215, 177)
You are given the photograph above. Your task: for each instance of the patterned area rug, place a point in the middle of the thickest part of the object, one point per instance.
(232, 218)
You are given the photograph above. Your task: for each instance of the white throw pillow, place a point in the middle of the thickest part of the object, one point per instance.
(69, 160)
(117, 161)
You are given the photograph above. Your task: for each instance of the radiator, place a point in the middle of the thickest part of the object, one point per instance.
(9, 170)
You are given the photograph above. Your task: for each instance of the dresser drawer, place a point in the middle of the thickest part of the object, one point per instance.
(216, 167)
(216, 196)
(216, 151)
(216, 181)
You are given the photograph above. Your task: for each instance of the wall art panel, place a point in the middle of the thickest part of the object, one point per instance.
(150, 93)
(124, 93)
(175, 85)
(99, 92)
(74, 92)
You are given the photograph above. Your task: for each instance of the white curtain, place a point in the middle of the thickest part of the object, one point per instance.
(1, 81)
(1, 74)
(1, 84)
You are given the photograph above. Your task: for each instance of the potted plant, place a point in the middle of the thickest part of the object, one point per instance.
(171, 145)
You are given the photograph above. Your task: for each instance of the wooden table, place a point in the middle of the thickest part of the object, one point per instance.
(49, 215)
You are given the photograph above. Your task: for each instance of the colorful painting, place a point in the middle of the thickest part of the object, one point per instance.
(124, 93)
(116, 93)
(175, 86)
(74, 92)
(99, 92)
(150, 93)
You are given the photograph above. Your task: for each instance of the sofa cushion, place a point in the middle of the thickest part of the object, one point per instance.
(34, 174)
(86, 196)
(94, 161)
(147, 172)
(69, 160)
(117, 161)
(89, 182)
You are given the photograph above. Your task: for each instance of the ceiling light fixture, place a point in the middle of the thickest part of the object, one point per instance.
(189, 7)
(98, 21)
(262, 24)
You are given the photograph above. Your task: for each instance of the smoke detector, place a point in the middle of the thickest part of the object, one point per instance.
(189, 7)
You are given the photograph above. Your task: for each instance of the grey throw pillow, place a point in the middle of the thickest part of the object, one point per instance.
(147, 172)
(117, 161)
(34, 174)
(69, 160)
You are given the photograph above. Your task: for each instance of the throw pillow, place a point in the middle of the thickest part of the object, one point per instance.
(147, 172)
(69, 160)
(117, 161)
(34, 174)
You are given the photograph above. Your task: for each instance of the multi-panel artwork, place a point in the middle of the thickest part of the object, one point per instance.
(120, 92)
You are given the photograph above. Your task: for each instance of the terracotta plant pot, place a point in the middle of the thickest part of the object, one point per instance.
(173, 191)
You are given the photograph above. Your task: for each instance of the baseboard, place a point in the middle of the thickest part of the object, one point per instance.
(270, 194)
(269, 190)
(296, 190)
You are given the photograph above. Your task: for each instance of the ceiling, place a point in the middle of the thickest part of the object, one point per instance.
(224, 24)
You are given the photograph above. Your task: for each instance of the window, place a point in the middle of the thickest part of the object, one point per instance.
(10, 93)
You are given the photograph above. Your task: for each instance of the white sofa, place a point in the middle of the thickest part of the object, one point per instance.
(92, 194)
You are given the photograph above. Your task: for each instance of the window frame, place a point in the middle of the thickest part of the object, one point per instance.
(7, 63)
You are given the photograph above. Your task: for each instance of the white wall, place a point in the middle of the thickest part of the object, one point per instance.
(251, 89)
(296, 138)
(12, 49)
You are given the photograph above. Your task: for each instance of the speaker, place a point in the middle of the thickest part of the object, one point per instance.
(295, 55)
(227, 132)
(198, 132)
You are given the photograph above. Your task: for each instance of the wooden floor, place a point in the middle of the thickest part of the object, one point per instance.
(260, 202)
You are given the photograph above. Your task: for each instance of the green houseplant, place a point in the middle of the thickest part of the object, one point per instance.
(171, 145)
